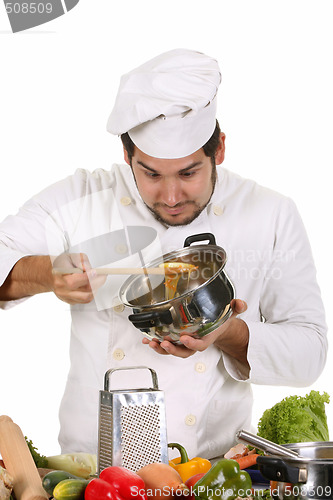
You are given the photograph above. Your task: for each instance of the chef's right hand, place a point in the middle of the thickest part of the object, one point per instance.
(78, 287)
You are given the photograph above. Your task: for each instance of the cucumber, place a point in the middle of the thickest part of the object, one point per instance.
(70, 489)
(52, 478)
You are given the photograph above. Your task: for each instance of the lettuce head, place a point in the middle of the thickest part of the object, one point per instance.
(296, 419)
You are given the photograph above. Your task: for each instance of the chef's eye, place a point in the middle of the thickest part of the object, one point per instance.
(152, 175)
(189, 174)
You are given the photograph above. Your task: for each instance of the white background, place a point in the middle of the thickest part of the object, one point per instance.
(57, 87)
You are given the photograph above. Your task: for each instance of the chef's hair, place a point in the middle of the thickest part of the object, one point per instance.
(209, 148)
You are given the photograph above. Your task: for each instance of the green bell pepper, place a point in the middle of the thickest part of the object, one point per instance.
(224, 481)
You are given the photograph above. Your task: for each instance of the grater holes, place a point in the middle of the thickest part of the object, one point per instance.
(140, 427)
(105, 437)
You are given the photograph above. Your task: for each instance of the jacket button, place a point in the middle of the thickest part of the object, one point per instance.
(200, 367)
(118, 354)
(125, 200)
(119, 308)
(121, 249)
(217, 210)
(190, 420)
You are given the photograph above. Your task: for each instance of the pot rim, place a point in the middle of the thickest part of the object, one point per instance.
(176, 253)
(309, 444)
(304, 460)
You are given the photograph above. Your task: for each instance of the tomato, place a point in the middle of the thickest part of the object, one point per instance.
(191, 482)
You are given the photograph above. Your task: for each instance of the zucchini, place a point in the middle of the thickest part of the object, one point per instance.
(70, 489)
(52, 478)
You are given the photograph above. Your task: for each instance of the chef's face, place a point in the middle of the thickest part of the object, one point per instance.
(176, 191)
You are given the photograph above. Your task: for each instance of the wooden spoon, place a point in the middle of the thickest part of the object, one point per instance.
(165, 268)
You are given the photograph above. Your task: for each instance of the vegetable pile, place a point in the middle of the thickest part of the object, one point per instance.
(74, 477)
(296, 419)
(156, 481)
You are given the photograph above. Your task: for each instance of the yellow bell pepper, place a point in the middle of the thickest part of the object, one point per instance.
(187, 468)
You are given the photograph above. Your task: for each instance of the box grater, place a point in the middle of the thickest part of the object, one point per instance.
(132, 425)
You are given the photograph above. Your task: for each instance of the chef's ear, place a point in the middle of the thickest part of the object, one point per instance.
(220, 152)
(126, 157)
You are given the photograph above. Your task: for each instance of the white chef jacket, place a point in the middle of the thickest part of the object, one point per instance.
(208, 396)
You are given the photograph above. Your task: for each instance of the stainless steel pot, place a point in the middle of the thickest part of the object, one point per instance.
(308, 476)
(203, 296)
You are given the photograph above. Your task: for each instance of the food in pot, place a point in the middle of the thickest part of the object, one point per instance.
(177, 267)
(173, 271)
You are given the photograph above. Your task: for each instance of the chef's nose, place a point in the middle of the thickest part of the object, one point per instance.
(171, 193)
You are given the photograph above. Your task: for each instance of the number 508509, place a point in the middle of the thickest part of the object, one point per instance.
(28, 8)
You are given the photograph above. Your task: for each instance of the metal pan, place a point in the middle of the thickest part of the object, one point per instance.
(309, 478)
(300, 471)
(203, 297)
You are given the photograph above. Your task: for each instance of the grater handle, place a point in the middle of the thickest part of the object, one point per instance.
(109, 373)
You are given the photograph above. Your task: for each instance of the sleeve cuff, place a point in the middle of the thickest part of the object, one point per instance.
(7, 264)
(237, 370)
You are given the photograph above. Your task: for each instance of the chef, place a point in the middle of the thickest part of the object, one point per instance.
(171, 185)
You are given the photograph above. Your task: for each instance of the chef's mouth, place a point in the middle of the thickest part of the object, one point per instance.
(176, 209)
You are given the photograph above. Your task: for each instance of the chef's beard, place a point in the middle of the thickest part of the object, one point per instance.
(197, 207)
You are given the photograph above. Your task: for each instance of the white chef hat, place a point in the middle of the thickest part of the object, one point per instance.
(168, 104)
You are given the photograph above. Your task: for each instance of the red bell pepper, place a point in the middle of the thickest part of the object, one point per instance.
(116, 483)
(192, 481)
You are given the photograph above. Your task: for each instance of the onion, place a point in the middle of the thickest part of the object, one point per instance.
(162, 481)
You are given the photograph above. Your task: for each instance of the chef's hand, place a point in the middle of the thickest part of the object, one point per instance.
(75, 288)
(232, 338)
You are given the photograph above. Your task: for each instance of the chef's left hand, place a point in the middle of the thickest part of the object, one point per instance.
(232, 337)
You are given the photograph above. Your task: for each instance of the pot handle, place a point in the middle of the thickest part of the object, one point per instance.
(200, 237)
(276, 469)
(150, 319)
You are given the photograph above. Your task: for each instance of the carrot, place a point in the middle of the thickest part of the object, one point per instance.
(247, 460)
